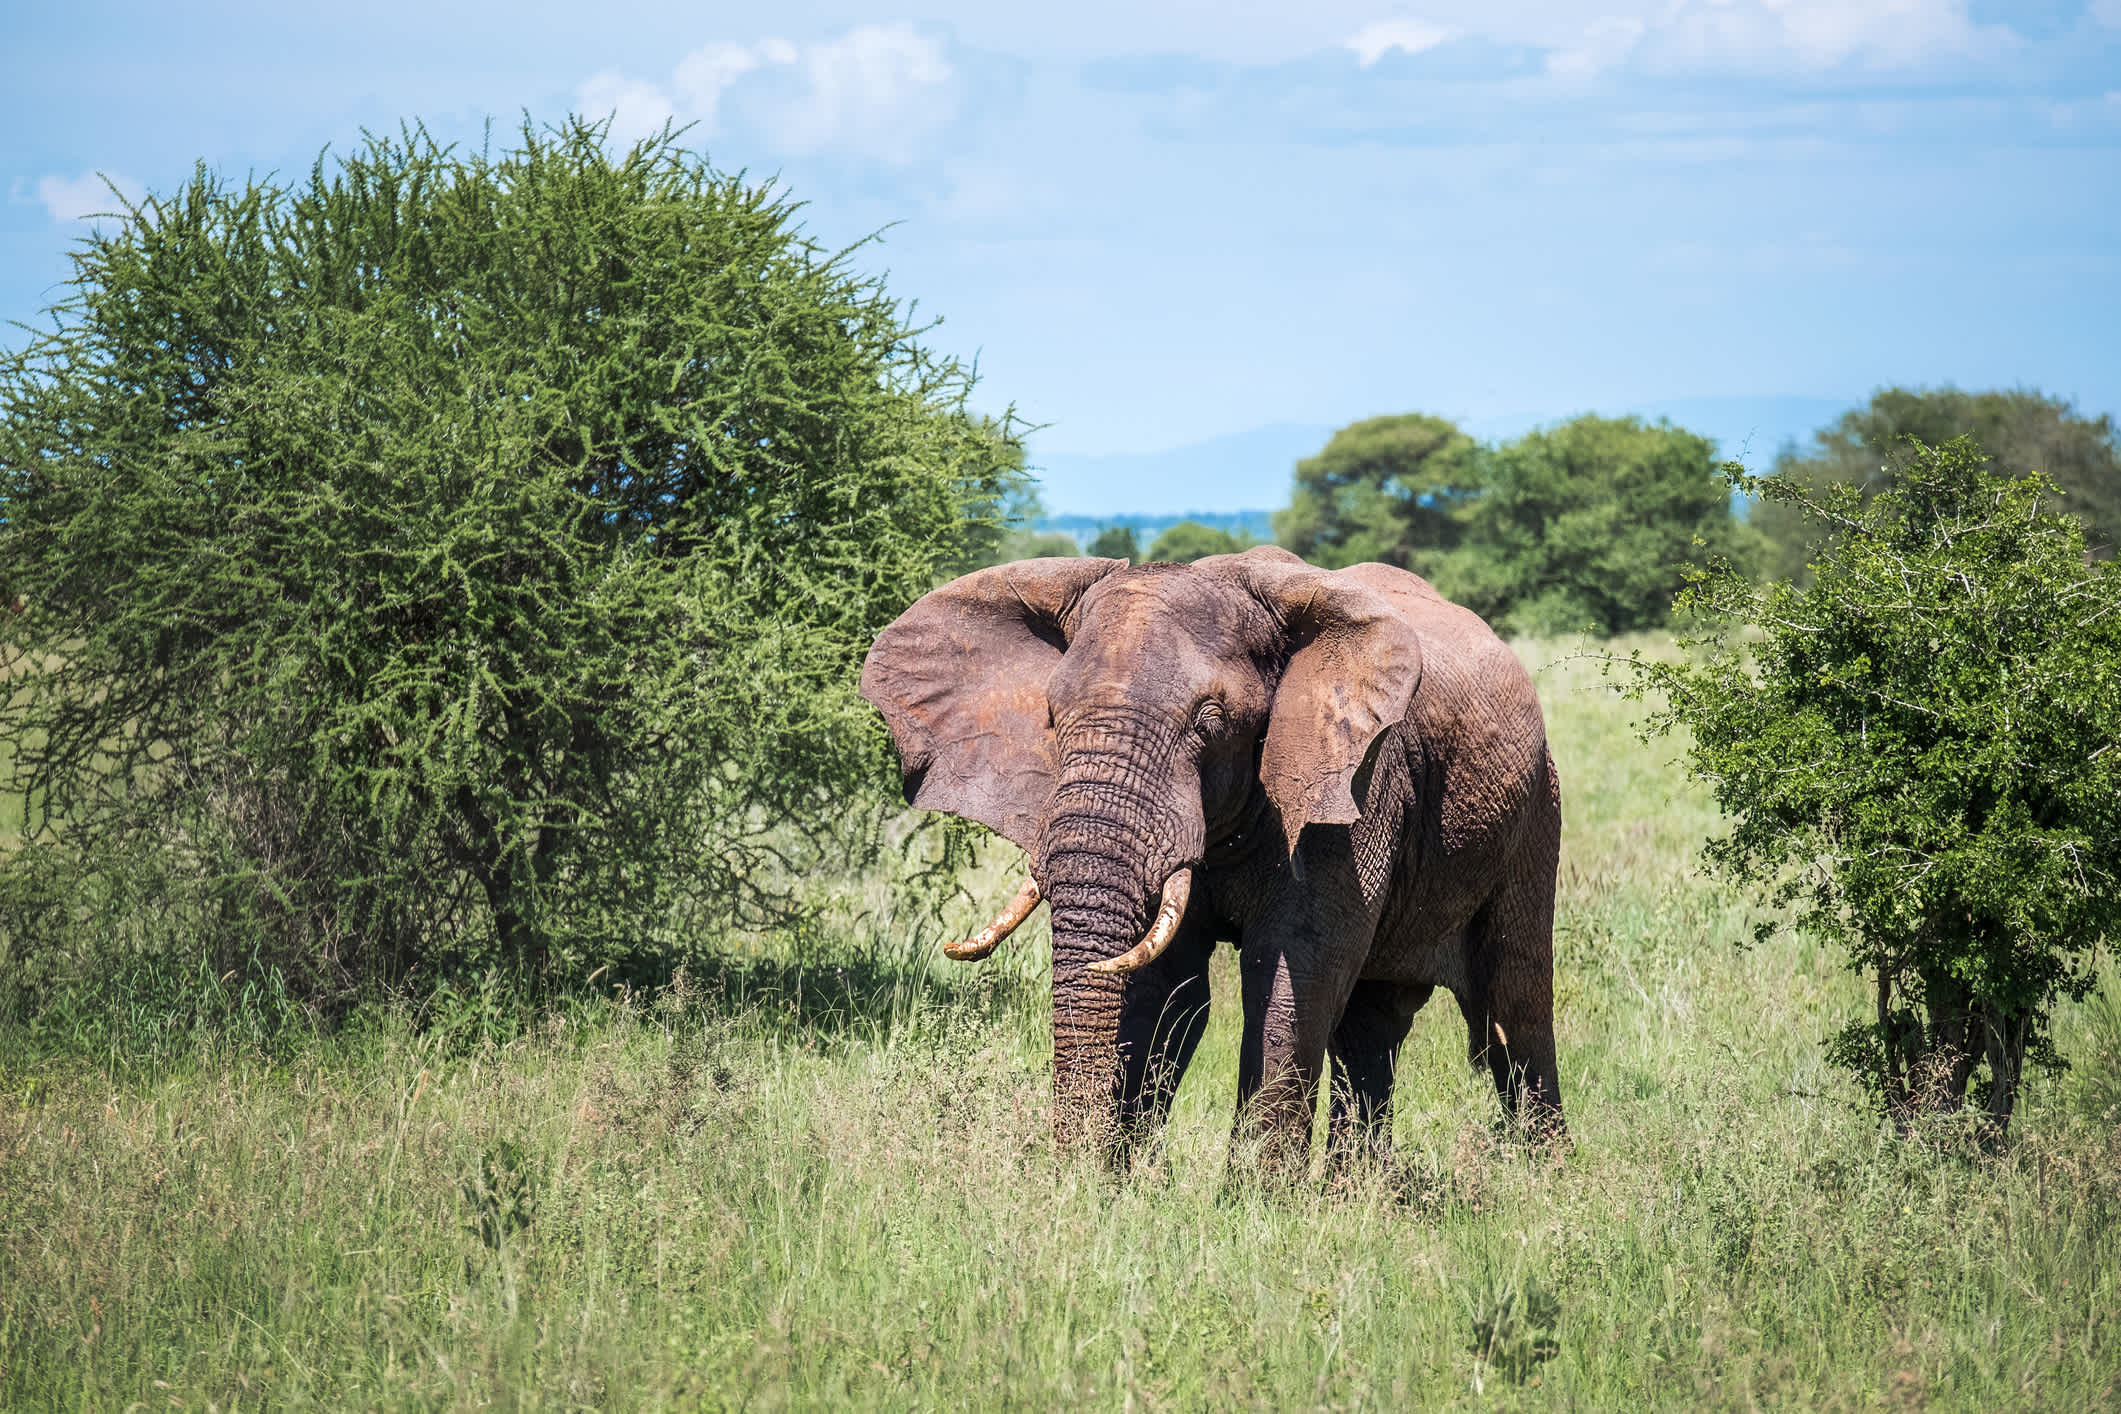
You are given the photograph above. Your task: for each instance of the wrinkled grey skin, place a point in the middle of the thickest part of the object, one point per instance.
(1355, 769)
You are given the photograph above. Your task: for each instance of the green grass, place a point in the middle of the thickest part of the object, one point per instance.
(821, 1178)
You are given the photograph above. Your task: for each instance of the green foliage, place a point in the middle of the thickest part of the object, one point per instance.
(1918, 751)
(1589, 526)
(1189, 540)
(1384, 489)
(2024, 431)
(457, 557)
(1116, 542)
(139, 1013)
(2095, 1065)
(1020, 509)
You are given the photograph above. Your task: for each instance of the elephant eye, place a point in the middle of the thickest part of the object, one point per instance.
(1208, 718)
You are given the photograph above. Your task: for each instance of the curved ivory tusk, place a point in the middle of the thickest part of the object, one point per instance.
(990, 937)
(1177, 889)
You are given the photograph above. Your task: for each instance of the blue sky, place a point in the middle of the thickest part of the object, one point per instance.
(1160, 224)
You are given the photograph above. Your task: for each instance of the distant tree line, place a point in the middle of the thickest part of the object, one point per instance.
(1183, 543)
(1589, 525)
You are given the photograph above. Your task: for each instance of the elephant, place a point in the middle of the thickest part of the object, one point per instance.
(1340, 772)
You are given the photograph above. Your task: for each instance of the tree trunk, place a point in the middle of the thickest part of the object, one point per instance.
(1953, 1049)
(2005, 1037)
(1892, 1079)
(488, 861)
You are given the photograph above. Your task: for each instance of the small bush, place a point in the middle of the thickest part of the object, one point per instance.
(1917, 749)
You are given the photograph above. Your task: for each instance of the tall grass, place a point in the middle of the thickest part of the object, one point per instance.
(821, 1177)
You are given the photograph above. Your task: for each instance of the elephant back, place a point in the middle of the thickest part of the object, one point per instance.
(1477, 715)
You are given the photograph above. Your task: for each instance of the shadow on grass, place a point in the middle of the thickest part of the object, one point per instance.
(143, 1015)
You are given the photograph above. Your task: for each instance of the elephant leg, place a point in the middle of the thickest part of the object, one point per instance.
(1162, 1018)
(1365, 1052)
(1299, 963)
(1509, 1004)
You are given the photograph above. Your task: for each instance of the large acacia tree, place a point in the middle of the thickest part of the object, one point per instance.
(455, 553)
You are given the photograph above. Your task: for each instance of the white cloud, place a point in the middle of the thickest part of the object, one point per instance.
(1758, 33)
(707, 72)
(1820, 34)
(1603, 44)
(1373, 41)
(874, 89)
(79, 198)
(1583, 39)
(1749, 35)
(636, 109)
(2107, 12)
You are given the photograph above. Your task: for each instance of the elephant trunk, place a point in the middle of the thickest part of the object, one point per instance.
(1102, 865)
(1093, 920)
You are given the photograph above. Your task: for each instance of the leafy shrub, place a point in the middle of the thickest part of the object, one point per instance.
(501, 1192)
(454, 558)
(1918, 750)
(1515, 1326)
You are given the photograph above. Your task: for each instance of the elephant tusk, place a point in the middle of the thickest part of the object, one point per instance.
(1005, 923)
(1177, 889)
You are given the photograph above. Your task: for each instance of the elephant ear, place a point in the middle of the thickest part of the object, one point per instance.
(961, 680)
(1352, 669)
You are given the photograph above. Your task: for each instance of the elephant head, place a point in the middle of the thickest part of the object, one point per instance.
(1116, 723)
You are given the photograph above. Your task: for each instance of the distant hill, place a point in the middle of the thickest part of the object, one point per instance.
(1226, 476)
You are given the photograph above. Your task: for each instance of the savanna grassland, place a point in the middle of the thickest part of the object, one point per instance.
(818, 1175)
